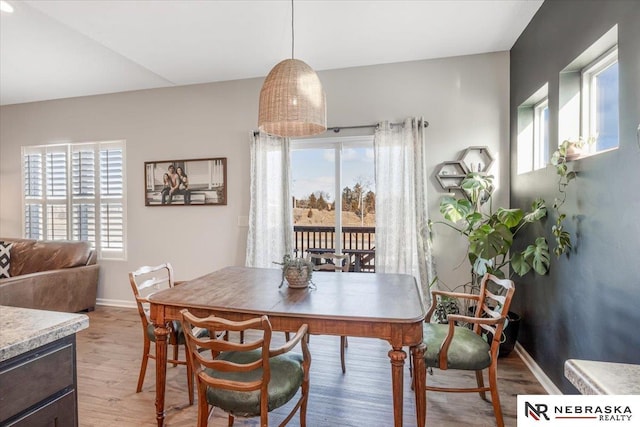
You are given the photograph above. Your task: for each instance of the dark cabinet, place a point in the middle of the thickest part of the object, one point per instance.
(38, 388)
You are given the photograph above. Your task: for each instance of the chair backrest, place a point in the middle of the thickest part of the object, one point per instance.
(204, 351)
(146, 281)
(494, 301)
(328, 261)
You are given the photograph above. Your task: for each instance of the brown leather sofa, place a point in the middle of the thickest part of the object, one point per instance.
(50, 275)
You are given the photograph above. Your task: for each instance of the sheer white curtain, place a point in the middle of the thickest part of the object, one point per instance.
(402, 243)
(270, 214)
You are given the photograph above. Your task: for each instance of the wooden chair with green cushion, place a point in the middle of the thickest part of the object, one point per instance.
(247, 379)
(450, 346)
(328, 261)
(145, 281)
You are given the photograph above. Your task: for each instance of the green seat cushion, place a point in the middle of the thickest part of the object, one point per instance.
(286, 378)
(178, 328)
(468, 350)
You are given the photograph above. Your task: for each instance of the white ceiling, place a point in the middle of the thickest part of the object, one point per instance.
(60, 49)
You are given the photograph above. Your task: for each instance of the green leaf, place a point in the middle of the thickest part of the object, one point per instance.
(564, 146)
(478, 187)
(563, 241)
(488, 242)
(475, 181)
(473, 219)
(519, 264)
(481, 266)
(538, 211)
(509, 217)
(537, 255)
(455, 210)
(561, 169)
(498, 273)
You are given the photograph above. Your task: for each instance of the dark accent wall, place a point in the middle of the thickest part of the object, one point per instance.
(588, 306)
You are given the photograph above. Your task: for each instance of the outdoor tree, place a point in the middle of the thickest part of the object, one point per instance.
(347, 197)
(321, 203)
(313, 201)
(370, 202)
(358, 199)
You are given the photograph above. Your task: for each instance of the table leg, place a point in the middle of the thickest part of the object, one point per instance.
(397, 356)
(419, 381)
(161, 332)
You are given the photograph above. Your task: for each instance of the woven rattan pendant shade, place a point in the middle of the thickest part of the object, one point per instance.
(292, 101)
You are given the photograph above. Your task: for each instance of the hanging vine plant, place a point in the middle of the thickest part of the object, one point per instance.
(566, 152)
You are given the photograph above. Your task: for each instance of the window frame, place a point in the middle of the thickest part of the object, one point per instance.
(338, 144)
(588, 76)
(70, 200)
(540, 129)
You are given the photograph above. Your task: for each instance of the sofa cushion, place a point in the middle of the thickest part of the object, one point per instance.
(32, 256)
(5, 259)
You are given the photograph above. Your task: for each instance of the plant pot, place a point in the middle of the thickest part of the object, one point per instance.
(509, 333)
(297, 277)
(573, 151)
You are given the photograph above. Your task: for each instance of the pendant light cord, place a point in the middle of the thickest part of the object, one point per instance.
(293, 37)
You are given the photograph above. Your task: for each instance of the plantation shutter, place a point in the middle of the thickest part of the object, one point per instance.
(83, 179)
(56, 193)
(76, 192)
(32, 173)
(112, 199)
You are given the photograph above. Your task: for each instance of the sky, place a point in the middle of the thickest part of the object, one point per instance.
(607, 104)
(314, 170)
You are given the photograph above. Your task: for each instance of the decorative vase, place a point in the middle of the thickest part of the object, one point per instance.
(297, 277)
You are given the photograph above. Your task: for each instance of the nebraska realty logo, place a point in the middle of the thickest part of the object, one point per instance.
(578, 410)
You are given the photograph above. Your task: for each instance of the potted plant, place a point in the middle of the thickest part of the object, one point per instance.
(490, 234)
(296, 271)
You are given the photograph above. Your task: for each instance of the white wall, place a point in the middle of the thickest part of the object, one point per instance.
(465, 99)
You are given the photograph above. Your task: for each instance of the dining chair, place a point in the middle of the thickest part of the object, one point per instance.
(145, 281)
(247, 379)
(455, 345)
(328, 261)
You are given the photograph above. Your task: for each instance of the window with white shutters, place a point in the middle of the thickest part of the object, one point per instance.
(76, 192)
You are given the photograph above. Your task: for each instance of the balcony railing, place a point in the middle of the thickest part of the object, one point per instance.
(358, 242)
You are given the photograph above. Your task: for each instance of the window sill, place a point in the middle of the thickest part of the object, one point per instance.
(586, 155)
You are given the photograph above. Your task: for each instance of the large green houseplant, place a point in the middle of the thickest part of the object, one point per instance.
(490, 232)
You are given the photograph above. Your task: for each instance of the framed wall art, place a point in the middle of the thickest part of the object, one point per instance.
(186, 182)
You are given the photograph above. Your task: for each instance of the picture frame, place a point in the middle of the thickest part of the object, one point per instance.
(190, 182)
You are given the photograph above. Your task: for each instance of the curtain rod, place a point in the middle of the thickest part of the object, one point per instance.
(337, 129)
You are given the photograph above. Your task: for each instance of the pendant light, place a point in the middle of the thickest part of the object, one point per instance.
(292, 101)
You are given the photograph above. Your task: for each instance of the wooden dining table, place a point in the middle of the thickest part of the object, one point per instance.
(372, 305)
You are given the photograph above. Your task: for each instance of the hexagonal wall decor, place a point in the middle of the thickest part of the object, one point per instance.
(451, 174)
(477, 159)
(473, 159)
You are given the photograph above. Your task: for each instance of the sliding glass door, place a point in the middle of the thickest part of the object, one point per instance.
(333, 193)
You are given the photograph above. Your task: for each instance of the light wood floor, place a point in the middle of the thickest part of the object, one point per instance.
(109, 354)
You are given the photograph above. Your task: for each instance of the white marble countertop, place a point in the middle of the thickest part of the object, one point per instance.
(23, 329)
(592, 377)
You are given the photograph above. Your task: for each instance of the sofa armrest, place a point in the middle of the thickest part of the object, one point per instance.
(93, 258)
(68, 289)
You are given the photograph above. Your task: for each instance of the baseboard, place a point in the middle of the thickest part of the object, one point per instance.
(116, 303)
(537, 372)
